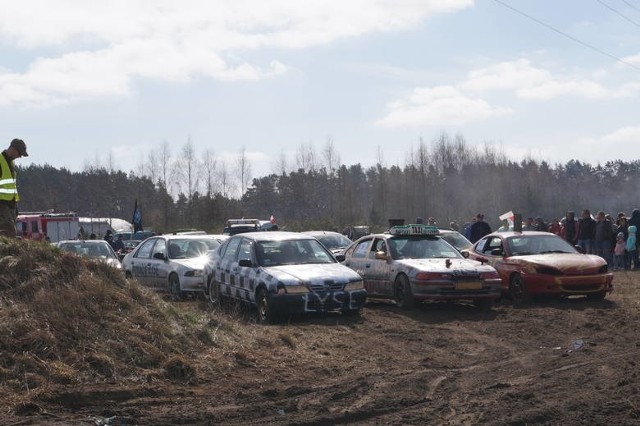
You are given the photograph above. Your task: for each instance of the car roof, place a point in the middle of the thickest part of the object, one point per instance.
(82, 242)
(314, 233)
(520, 234)
(185, 236)
(273, 236)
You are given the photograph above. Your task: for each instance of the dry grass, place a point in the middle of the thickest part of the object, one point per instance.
(68, 320)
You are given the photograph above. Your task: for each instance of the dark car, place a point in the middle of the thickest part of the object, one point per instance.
(282, 273)
(334, 241)
(535, 263)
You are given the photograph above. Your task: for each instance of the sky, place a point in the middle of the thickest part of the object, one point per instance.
(90, 82)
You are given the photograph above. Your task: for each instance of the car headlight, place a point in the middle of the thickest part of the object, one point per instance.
(354, 285)
(296, 289)
(193, 273)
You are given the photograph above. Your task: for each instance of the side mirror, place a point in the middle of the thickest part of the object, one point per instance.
(465, 254)
(340, 257)
(245, 263)
(579, 248)
(160, 256)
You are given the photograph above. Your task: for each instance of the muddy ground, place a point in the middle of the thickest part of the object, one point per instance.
(554, 362)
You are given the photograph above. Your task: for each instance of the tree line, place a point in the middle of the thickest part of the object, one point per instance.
(446, 179)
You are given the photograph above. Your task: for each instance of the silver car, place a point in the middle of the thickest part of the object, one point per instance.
(172, 263)
(95, 249)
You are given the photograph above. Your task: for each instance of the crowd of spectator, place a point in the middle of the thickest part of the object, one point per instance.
(613, 240)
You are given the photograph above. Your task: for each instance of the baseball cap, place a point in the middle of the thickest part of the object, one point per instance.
(20, 146)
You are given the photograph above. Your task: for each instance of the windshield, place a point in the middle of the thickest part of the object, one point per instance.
(538, 244)
(334, 241)
(456, 239)
(96, 250)
(292, 252)
(421, 247)
(190, 248)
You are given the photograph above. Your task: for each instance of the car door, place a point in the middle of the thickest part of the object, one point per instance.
(379, 270)
(226, 265)
(359, 261)
(160, 266)
(141, 263)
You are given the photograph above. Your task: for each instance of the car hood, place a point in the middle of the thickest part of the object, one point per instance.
(192, 263)
(313, 273)
(441, 265)
(566, 262)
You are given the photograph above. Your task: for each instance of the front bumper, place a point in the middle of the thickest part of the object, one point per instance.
(330, 301)
(568, 284)
(451, 290)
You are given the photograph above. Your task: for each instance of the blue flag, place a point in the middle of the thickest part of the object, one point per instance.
(137, 218)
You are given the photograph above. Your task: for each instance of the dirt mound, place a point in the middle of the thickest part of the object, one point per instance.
(68, 321)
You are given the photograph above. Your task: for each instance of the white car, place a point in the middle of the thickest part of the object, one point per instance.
(283, 273)
(94, 249)
(172, 263)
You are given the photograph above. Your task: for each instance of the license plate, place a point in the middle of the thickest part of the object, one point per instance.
(468, 286)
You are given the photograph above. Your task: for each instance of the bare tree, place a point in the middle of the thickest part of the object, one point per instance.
(281, 167)
(306, 157)
(331, 156)
(187, 176)
(244, 170)
(223, 179)
(209, 165)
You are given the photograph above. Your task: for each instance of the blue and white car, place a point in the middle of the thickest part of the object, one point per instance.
(283, 273)
(172, 263)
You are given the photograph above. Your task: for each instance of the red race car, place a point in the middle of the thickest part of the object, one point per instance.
(534, 263)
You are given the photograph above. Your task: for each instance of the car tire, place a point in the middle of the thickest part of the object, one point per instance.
(518, 291)
(402, 292)
(174, 287)
(213, 291)
(128, 275)
(265, 312)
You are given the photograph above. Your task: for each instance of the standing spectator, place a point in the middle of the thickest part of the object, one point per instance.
(466, 230)
(454, 225)
(8, 189)
(528, 225)
(540, 225)
(632, 249)
(635, 221)
(586, 231)
(480, 228)
(602, 237)
(619, 252)
(554, 226)
(622, 224)
(570, 229)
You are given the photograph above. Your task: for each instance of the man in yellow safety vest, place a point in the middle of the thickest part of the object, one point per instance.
(8, 189)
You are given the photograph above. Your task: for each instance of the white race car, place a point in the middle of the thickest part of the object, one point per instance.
(171, 263)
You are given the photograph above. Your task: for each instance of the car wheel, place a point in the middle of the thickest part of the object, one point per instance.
(128, 275)
(597, 296)
(174, 287)
(265, 313)
(403, 294)
(212, 291)
(517, 290)
(483, 304)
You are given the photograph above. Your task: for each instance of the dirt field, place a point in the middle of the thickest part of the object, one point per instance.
(554, 362)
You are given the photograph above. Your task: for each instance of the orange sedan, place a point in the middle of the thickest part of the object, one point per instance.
(534, 263)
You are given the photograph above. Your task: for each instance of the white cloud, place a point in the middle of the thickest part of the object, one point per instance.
(106, 45)
(531, 83)
(439, 106)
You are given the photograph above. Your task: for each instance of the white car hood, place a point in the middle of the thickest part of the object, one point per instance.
(440, 265)
(313, 273)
